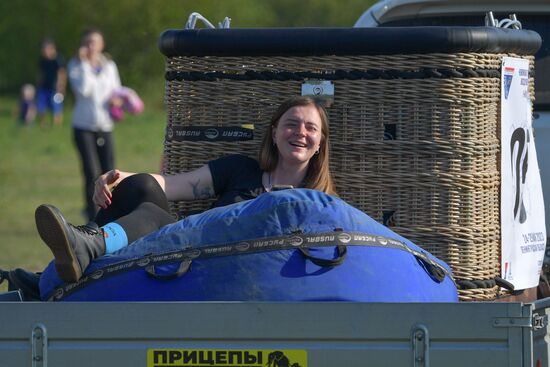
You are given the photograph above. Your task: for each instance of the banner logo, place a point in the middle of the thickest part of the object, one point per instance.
(508, 271)
(508, 75)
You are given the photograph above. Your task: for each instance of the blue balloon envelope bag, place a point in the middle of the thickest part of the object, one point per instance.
(289, 245)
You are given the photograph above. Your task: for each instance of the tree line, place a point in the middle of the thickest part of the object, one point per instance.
(132, 28)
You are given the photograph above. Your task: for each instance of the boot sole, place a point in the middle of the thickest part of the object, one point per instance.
(50, 225)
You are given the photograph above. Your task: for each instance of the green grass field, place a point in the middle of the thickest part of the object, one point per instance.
(40, 165)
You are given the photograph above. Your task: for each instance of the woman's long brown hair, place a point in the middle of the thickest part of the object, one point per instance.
(318, 175)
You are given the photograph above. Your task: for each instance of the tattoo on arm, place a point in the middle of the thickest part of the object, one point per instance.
(201, 192)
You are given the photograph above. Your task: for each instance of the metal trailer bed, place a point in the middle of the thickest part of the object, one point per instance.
(331, 334)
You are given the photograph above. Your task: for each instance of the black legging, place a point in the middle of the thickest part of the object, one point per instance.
(96, 156)
(138, 205)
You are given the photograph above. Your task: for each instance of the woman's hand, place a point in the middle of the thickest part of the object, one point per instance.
(103, 187)
(83, 53)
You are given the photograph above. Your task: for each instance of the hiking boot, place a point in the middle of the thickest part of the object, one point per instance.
(27, 282)
(73, 247)
(4, 275)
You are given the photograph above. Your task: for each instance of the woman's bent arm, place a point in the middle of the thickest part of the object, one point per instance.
(191, 185)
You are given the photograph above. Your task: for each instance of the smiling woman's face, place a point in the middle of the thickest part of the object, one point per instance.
(298, 134)
(95, 43)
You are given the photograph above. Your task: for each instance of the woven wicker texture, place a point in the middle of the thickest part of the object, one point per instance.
(419, 155)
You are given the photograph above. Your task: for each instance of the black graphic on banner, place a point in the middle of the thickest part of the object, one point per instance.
(206, 133)
(520, 156)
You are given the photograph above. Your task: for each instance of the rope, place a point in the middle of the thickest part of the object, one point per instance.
(483, 283)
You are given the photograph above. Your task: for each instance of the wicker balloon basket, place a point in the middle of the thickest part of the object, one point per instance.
(414, 137)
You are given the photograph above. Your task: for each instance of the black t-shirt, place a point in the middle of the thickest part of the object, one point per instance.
(48, 72)
(236, 178)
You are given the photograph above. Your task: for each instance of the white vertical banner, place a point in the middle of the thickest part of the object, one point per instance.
(523, 229)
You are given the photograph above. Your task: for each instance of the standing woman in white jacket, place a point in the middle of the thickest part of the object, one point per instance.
(93, 77)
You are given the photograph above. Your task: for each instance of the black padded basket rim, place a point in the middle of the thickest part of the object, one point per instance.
(347, 41)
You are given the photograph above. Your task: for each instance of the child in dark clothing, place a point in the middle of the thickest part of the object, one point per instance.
(27, 107)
